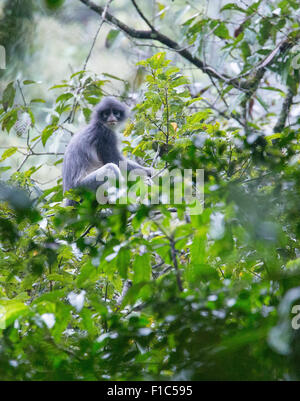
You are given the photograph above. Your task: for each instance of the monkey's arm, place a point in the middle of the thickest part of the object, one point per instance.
(131, 165)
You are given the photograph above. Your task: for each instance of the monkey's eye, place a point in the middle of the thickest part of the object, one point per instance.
(118, 114)
(104, 115)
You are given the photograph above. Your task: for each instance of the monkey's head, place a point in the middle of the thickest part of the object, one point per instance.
(110, 112)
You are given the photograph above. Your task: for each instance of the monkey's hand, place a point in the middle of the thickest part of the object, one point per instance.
(149, 171)
(131, 165)
(148, 180)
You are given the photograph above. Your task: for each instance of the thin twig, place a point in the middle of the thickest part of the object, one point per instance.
(97, 33)
(71, 116)
(142, 15)
(22, 94)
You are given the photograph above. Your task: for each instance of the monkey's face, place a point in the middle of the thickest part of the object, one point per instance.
(112, 117)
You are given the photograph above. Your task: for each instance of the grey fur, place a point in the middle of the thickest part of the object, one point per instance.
(94, 147)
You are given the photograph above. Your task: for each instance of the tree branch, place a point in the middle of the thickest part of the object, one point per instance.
(126, 286)
(284, 112)
(175, 263)
(247, 85)
(152, 34)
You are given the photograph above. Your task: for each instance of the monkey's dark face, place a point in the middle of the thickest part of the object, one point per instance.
(112, 117)
(110, 112)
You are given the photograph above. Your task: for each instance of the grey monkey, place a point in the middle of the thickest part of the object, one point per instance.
(95, 148)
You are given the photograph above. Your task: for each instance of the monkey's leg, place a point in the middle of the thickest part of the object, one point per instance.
(96, 178)
(106, 174)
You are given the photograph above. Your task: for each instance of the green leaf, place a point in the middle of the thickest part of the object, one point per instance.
(64, 97)
(77, 73)
(29, 111)
(265, 31)
(221, 31)
(88, 274)
(112, 76)
(272, 88)
(37, 101)
(9, 120)
(246, 51)
(87, 114)
(198, 248)
(232, 6)
(50, 297)
(59, 161)
(141, 268)
(4, 168)
(162, 10)
(53, 4)
(9, 152)
(8, 96)
(200, 116)
(10, 311)
(60, 86)
(28, 82)
(111, 38)
(123, 261)
(253, 7)
(202, 272)
(47, 132)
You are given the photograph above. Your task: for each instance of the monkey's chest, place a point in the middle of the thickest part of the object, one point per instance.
(94, 161)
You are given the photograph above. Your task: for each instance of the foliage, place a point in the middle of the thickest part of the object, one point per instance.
(16, 30)
(211, 294)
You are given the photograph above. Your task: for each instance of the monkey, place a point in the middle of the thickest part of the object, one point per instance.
(95, 149)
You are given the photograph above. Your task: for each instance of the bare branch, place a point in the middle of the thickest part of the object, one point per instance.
(47, 154)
